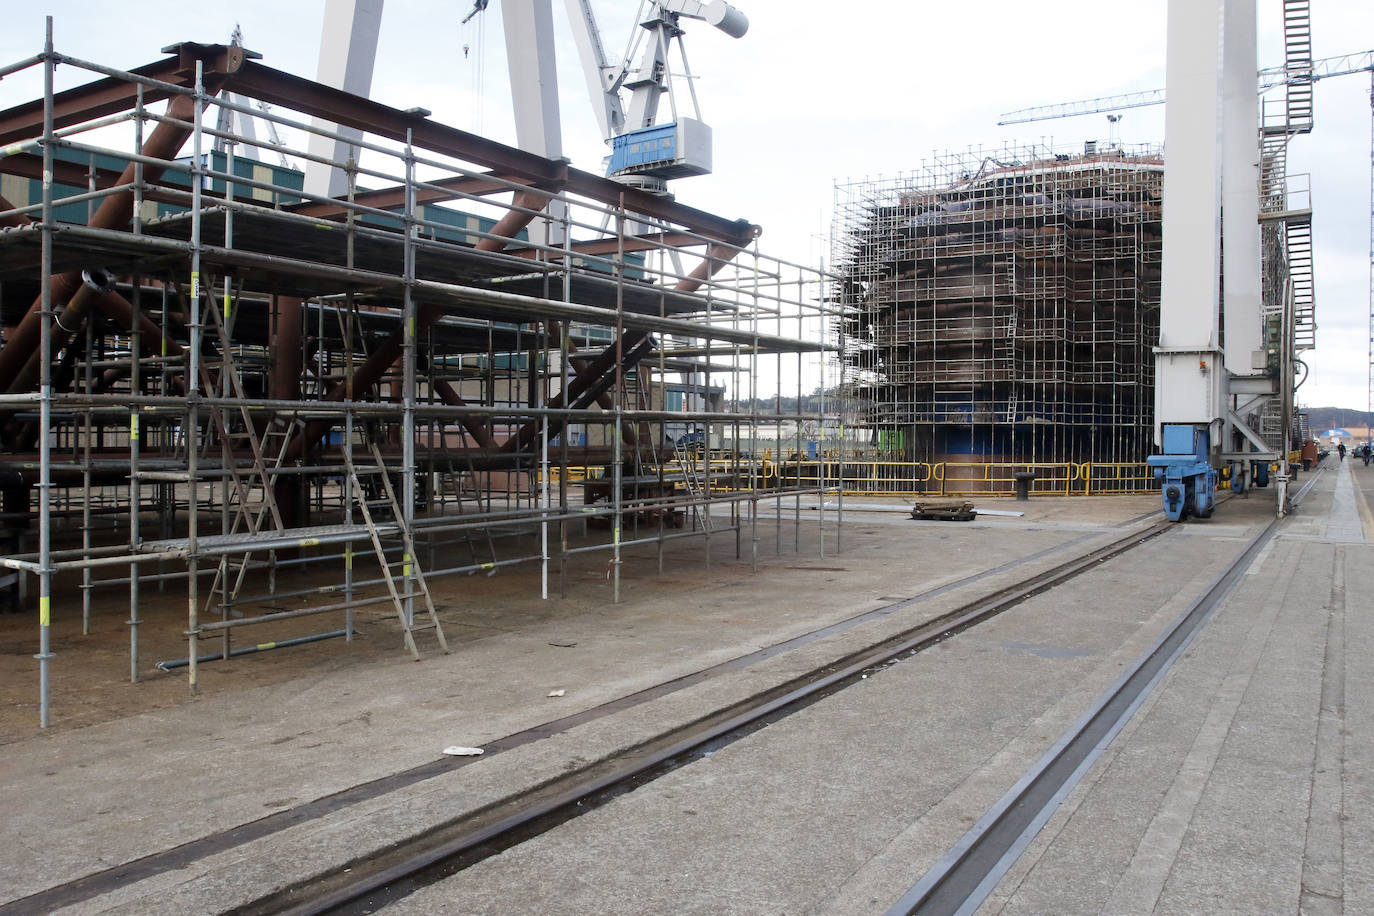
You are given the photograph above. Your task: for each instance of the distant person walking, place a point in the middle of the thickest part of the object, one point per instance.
(1340, 450)
(1366, 453)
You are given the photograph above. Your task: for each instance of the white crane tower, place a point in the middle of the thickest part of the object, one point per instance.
(1227, 357)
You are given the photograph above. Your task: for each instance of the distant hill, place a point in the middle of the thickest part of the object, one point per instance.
(1321, 418)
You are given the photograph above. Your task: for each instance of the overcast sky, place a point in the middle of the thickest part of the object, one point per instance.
(818, 93)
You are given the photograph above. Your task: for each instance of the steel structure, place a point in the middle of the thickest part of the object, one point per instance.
(1001, 306)
(234, 385)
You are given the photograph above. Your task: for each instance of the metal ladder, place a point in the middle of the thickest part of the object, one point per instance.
(1297, 64)
(695, 483)
(410, 583)
(268, 449)
(1297, 119)
(1298, 244)
(452, 483)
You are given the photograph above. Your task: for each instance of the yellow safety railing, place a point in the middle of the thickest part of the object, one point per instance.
(573, 474)
(972, 478)
(1103, 477)
(871, 477)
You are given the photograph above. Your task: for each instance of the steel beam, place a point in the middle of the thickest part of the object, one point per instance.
(113, 95)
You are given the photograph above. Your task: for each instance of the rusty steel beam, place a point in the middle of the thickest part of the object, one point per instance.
(282, 89)
(112, 95)
(450, 396)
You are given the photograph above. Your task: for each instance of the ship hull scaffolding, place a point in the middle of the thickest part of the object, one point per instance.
(1002, 309)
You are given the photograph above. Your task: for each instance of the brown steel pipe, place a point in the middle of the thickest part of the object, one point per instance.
(587, 386)
(603, 400)
(111, 303)
(717, 256)
(479, 432)
(288, 318)
(114, 212)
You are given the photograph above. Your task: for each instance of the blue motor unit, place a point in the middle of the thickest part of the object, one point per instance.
(1187, 479)
(676, 150)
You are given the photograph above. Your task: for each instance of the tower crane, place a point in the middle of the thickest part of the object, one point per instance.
(1324, 68)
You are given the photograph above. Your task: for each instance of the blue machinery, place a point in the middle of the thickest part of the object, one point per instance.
(1184, 470)
(1188, 480)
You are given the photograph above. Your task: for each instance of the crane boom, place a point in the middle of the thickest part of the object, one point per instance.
(603, 78)
(1269, 77)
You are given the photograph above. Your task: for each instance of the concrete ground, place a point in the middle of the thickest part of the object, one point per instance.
(838, 808)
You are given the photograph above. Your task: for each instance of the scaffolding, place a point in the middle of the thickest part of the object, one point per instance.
(1002, 306)
(231, 386)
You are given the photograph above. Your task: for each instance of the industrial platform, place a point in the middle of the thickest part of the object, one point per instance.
(1241, 783)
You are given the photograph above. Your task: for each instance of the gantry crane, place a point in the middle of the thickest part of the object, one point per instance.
(1268, 78)
(626, 95)
(1249, 396)
(644, 152)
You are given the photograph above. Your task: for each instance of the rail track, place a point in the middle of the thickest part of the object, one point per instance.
(369, 884)
(376, 879)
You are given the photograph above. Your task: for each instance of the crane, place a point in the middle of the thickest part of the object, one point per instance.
(644, 152)
(1269, 77)
(227, 116)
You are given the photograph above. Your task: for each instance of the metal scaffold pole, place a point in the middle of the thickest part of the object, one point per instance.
(45, 653)
(191, 431)
(1369, 416)
(408, 379)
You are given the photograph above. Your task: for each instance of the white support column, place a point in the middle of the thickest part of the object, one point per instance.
(348, 52)
(528, 26)
(1240, 192)
(530, 55)
(1188, 373)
